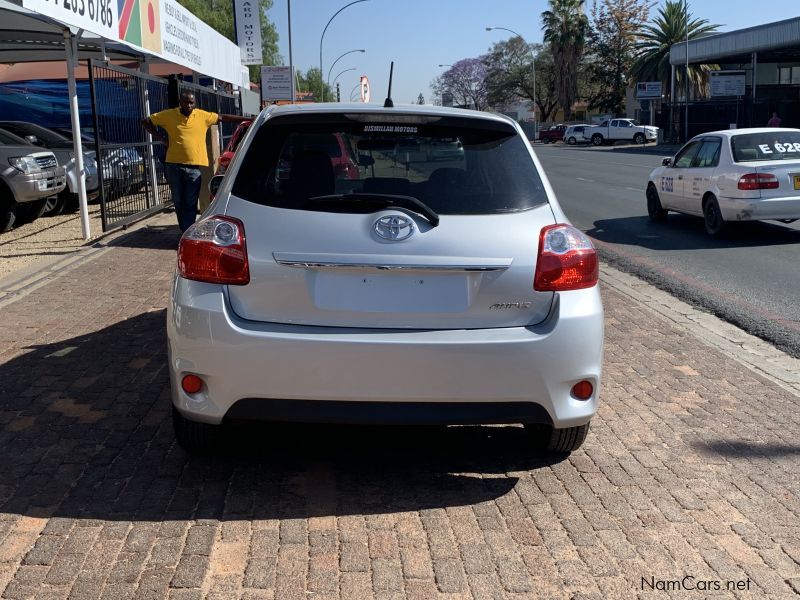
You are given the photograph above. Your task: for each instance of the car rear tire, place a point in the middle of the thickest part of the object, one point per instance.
(655, 211)
(638, 138)
(546, 141)
(550, 439)
(712, 216)
(597, 139)
(195, 437)
(30, 211)
(571, 141)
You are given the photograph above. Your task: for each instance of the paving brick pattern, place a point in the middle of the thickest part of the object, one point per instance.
(691, 470)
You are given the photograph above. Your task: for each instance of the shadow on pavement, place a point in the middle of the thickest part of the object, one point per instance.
(681, 232)
(738, 449)
(85, 428)
(152, 237)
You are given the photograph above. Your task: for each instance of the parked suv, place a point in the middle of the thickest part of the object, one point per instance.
(553, 134)
(443, 293)
(574, 134)
(62, 147)
(28, 176)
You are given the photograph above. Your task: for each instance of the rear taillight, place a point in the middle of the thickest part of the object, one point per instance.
(567, 260)
(758, 181)
(213, 250)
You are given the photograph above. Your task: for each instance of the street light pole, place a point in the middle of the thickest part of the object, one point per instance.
(322, 92)
(533, 57)
(337, 60)
(342, 73)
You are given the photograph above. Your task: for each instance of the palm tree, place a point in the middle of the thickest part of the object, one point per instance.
(668, 28)
(565, 27)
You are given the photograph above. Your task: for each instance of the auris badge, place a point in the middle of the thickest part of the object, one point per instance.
(394, 227)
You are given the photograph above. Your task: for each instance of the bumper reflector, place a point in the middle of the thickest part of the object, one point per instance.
(582, 390)
(191, 384)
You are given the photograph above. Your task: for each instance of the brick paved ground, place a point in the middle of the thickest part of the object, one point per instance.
(690, 469)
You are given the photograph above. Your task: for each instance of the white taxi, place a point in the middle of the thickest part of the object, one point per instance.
(730, 175)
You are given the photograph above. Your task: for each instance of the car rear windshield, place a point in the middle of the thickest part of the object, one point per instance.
(778, 145)
(454, 165)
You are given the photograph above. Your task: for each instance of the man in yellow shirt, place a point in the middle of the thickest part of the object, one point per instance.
(186, 128)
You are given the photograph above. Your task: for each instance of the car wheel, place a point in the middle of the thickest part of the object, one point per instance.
(655, 211)
(30, 211)
(195, 437)
(597, 139)
(54, 205)
(546, 141)
(571, 141)
(715, 224)
(550, 439)
(638, 138)
(8, 212)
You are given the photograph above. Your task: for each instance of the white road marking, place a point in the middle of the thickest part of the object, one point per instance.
(582, 179)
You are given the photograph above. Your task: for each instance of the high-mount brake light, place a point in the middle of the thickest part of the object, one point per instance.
(213, 250)
(566, 261)
(758, 181)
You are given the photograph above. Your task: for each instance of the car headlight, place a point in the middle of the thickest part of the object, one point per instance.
(25, 164)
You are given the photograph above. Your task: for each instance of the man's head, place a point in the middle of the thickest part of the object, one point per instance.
(187, 103)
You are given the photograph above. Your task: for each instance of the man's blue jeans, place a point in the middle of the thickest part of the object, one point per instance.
(184, 182)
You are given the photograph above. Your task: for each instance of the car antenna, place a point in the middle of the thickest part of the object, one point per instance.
(388, 102)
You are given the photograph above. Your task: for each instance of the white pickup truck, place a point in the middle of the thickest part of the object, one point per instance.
(612, 130)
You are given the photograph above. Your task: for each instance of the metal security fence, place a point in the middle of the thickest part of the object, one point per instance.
(130, 166)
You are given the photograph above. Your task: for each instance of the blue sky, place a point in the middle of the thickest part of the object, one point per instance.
(418, 35)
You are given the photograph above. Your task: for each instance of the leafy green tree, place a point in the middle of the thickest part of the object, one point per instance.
(218, 14)
(565, 27)
(612, 39)
(311, 82)
(668, 28)
(509, 75)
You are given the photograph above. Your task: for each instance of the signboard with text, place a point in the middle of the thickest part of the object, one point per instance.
(159, 27)
(726, 83)
(276, 83)
(648, 90)
(248, 31)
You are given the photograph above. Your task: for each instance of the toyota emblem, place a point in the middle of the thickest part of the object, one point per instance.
(394, 227)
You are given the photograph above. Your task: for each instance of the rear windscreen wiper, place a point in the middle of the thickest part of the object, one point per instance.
(385, 200)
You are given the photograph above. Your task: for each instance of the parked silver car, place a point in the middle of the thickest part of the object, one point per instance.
(62, 147)
(28, 176)
(434, 294)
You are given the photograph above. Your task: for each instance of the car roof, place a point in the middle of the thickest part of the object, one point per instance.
(732, 132)
(377, 109)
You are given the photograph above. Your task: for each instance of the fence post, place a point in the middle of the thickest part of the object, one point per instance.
(97, 150)
(152, 198)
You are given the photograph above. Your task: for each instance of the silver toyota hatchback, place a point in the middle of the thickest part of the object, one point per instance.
(385, 286)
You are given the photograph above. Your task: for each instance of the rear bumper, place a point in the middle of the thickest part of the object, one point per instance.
(269, 371)
(760, 209)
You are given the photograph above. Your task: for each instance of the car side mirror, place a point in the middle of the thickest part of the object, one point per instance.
(666, 162)
(32, 139)
(214, 184)
(365, 160)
